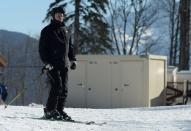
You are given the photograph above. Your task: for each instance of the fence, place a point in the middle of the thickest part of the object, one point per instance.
(178, 93)
(18, 77)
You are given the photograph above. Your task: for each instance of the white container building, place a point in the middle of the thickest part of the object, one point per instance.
(102, 81)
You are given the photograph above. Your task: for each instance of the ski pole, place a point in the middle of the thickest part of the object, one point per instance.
(17, 96)
(22, 91)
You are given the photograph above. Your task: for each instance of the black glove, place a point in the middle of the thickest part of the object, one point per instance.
(73, 65)
(46, 68)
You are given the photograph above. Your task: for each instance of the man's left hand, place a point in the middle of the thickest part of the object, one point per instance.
(73, 65)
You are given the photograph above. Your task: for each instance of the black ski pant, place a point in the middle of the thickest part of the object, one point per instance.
(59, 89)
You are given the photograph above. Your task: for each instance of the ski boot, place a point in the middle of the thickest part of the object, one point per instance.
(65, 116)
(54, 114)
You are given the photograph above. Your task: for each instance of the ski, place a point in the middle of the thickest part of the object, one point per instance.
(76, 121)
(86, 122)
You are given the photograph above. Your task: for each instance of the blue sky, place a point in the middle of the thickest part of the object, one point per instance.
(23, 16)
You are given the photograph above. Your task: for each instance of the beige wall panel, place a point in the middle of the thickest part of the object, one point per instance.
(157, 82)
(98, 83)
(116, 83)
(132, 82)
(77, 86)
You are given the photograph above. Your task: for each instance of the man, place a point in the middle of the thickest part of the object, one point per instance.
(56, 51)
(3, 93)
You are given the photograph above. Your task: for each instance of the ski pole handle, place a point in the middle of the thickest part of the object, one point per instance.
(46, 68)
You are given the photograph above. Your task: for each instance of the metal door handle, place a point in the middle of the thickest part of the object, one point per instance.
(126, 85)
(80, 84)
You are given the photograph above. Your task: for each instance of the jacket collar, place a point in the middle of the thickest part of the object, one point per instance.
(57, 24)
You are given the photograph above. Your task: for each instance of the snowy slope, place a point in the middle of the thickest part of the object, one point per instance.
(174, 118)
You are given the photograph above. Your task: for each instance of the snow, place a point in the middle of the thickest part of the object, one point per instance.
(26, 118)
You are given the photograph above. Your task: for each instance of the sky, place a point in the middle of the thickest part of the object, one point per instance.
(23, 16)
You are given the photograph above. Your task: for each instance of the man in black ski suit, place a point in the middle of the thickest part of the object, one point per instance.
(56, 50)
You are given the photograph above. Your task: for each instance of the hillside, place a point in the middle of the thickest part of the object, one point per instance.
(26, 118)
(11, 37)
(18, 48)
(21, 52)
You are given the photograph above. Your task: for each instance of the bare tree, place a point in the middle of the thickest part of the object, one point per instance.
(171, 9)
(119, 12)
(138, 14)
(144, 17)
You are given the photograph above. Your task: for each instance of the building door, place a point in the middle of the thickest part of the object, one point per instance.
(132, 83)
(98, 84)
(116, 83)
(77, 86)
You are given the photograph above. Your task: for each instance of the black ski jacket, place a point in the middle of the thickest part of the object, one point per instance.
(55, 45)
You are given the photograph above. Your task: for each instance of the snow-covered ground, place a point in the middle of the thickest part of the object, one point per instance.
(26, 118)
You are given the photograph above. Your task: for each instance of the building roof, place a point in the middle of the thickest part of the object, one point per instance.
(3, 61)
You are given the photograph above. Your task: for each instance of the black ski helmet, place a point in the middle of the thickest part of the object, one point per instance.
(57, 10)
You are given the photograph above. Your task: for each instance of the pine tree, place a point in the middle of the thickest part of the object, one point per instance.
(90, 31)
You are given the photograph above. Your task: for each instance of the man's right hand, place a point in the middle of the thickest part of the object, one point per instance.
(46, 68)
